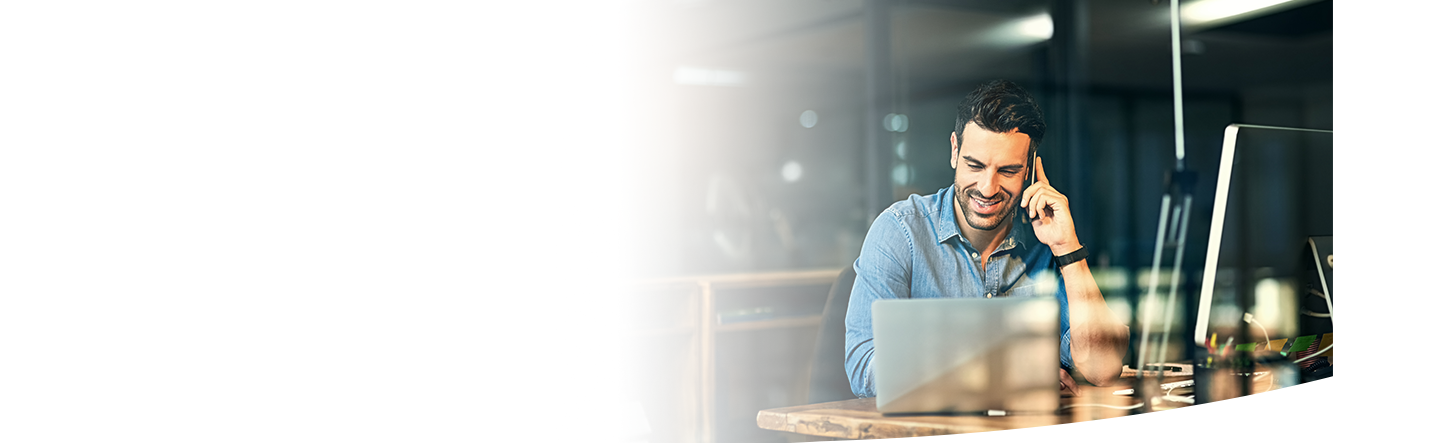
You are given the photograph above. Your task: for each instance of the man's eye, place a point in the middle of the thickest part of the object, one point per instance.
(1009, 172)
(975, 167)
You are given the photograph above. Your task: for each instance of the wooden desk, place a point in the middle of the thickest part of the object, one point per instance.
(859, 419)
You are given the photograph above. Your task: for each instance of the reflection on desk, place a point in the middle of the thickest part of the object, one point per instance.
(859, 419)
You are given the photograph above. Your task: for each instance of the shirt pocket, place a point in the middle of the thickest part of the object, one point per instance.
(1022, 289)
(1043, 285)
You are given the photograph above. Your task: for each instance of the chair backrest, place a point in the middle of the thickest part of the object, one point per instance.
(828, 381)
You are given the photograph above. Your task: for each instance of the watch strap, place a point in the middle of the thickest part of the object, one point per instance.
(1071, 257)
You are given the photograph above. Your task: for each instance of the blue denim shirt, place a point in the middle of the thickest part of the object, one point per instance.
(915, 250)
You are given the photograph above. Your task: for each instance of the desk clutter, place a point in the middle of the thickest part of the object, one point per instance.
(1167, 370)
(1285, 346)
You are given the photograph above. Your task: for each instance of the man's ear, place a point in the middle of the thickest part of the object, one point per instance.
(954, 150)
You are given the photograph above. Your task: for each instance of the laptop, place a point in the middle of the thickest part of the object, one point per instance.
(966, 356)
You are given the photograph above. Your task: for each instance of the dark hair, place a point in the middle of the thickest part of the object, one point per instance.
(1001, 106)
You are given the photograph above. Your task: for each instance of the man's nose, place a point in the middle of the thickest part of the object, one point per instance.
(988, 185)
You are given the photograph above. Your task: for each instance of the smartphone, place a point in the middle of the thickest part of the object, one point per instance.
(1027, 183)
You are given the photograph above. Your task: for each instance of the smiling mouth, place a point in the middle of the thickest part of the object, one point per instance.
(985, 206)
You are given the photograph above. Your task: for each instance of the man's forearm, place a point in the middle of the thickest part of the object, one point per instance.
(1098, 338)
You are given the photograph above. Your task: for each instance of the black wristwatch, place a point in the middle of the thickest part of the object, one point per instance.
(1071, 257)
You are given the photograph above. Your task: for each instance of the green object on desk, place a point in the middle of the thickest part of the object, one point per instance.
(1303, 343)
(1299, 344)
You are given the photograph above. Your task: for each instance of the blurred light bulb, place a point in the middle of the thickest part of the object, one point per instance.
(901, 174)
(809, 118)
(895, 122)
(792, 171)
(1038, 26)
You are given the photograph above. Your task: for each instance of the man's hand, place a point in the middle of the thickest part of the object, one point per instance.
(1069, 386)
(1051, 215)
(1098, 338)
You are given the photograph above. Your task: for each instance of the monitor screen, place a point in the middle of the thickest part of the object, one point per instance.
(1274, 195)
(1267, 279)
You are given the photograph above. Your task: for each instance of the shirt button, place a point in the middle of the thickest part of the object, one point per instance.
(989, 295)
(974, 255)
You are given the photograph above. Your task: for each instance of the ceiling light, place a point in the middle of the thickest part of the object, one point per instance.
(1203, 11)
(1021, 31)
(1037, 26)
(688, 75)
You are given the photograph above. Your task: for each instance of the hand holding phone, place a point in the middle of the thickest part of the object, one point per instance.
(1051, 218)
(1027, 182)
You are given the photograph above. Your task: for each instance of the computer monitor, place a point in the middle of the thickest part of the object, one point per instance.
(1259, 224)
(1273, 207)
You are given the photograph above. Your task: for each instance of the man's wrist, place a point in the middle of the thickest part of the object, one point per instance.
(1065, 248)
(1069, 258)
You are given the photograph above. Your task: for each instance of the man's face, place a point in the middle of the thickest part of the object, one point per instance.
(989, 168)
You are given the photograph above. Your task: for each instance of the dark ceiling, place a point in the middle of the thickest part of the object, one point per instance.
(937, 43)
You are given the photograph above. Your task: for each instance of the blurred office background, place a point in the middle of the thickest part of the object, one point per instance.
(388, 220)
(770, 134)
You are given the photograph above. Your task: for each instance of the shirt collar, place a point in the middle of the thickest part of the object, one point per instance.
(946, 227)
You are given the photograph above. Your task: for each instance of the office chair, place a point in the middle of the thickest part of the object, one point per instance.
(828, 372)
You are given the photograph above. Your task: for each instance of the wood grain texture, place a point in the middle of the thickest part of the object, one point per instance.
(858, 419)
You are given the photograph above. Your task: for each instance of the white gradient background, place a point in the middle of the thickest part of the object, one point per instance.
(305, 220)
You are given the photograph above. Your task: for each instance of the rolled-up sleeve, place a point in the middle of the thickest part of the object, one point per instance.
(884, 271)
(1065, 346)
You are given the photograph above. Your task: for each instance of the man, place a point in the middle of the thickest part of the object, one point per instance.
(964, 241)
